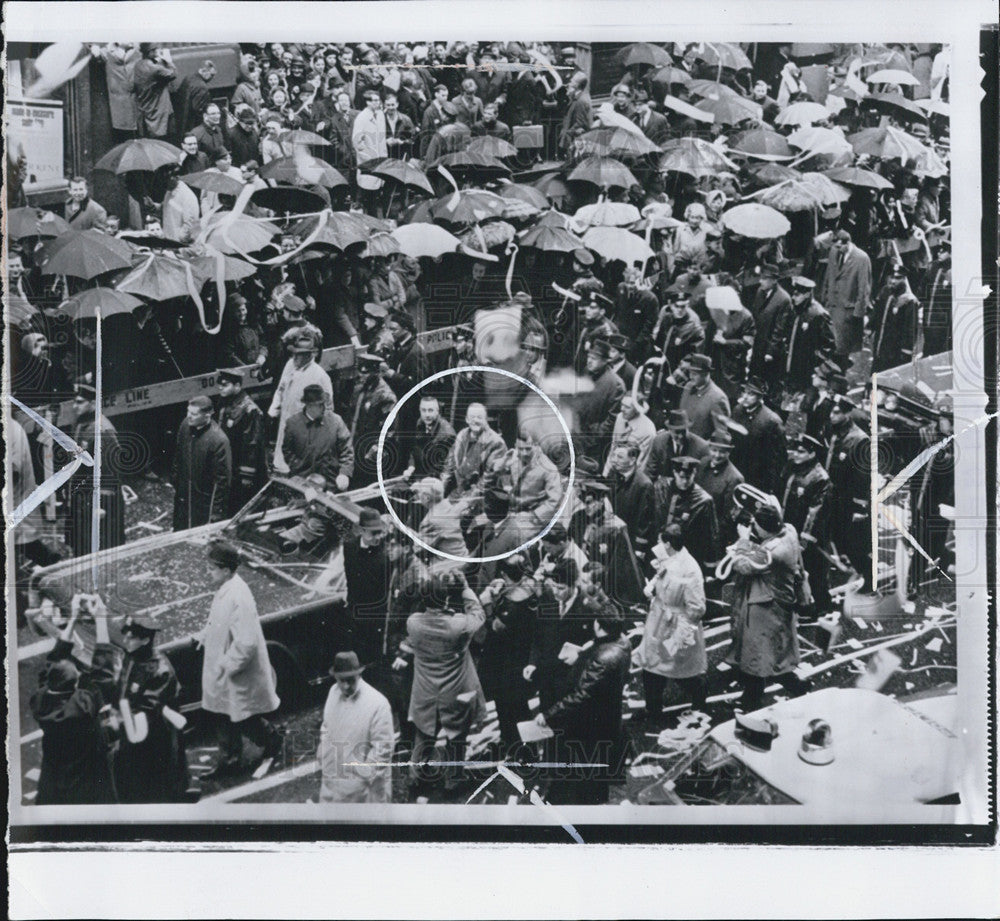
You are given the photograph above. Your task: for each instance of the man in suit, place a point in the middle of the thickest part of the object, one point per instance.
(399, 129)
(846, 292)
(193, 96)
(579, 114)
(434, 118)
(702, 399)
(82, 212)
(491, 126)
(338, 127)
(632, 497)
(468, 105)
(211, 133)
(653, 124)
(491, 85)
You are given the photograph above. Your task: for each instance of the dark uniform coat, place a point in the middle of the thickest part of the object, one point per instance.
(154, 770)
(894, 329)
(202, 476)
(760, 455)
(633, 502)
(810, 340)
(720, 484)
(773, 315)
(243, 424)
(596, 412)
(373, 402)
(81, 489)
(635, 314)
(694, 511)
(662, 451)
(607, 545)
(848, 463)
(805, 502)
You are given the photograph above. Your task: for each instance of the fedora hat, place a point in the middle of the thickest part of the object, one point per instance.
(346, 665)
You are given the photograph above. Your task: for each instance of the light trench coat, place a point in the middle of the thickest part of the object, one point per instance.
(673, 642)
(236, 677)
(355, 747)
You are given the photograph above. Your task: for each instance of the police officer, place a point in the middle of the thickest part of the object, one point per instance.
(691, 507)
(596, 325)
(849, 466)
(810, 338)
(151, 764)
(373, 402)
(805, 502)
(894, 323)
(759, 454)
(242, 422)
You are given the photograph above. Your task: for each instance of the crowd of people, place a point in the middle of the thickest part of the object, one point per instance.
(719, 433)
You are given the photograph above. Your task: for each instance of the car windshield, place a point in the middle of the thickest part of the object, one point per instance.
(712, 776)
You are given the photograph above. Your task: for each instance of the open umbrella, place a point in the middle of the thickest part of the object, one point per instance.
(34, 222)
(492, 147)
(145, 155)
(688, 110)
(762, 144)
(722, 301)
(83, 254)
(464, 162)
(791, 196)
(935, 107)
(107, 301)
(401, 171)
(615, 142)
(211, 180)
(228, 234)
(724, 54)
(730, 110)
(301, 136)
(526, 193)
(888, 143)
(695, 157)
(158, 277)
(425, 240)
(881, 57)
(143, 239)
(670, 76)
(381, 244)
(644, 53)
(895, 77)
(895, 104)
(420, 213)
(468, 207)
(755, 220)
(233, 269)
(607, 214)
(802, 113)
(20, 311)
(553, 188)
(830, 192)
(773, 173)
(857, 177)
(302, 169)
(616, 243)
(288, 199)
(928, 163)
(553, 218)
(551, 238)
(340, 230)
(518, 210)
(705, 88)
(496, 233)
(604, 172)
(820, 141)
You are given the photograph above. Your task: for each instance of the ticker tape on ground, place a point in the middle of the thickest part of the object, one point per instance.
(180, 390)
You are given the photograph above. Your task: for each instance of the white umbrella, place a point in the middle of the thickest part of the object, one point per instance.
(425, 240)
(935, 106)
(721, 301)
(616, 243)
(820, 141)
(606, 115)
(758, 221)
(802, 113)
(898, 77)
(607, 214)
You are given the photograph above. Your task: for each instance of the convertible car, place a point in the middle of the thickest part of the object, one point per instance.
(290, 537)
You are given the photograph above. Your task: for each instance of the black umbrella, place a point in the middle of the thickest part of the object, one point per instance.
(287, 199)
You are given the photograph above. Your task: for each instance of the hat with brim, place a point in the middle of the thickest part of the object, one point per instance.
(721, 439)
(61, 678)
(755, 385)
(678, 419)
(346, 665)
(366, 361)
(313, 393)
(684, 464)
(618, 341)
(583, 256)
(293, 304)
(594, 487)
(229, 376)
(370, 520)
(376, 310)
(599, 348)
(223, 553)
(699, 362)
(801, 283)
(806, 442)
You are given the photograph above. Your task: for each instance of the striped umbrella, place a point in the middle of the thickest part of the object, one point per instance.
(604, 172)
